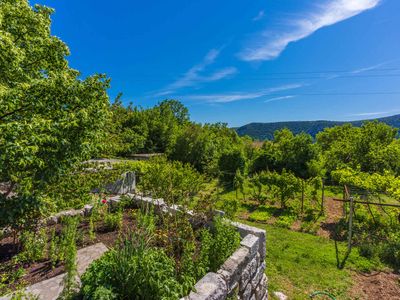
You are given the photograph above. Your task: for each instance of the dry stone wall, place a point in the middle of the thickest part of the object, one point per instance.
(242, 276)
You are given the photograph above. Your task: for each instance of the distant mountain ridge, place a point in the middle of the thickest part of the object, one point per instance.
(265, 131)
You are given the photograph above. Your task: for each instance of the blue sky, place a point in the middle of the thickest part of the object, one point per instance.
(241, 61)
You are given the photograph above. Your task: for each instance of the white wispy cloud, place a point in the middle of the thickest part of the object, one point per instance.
(194, 75)
(279, 98)
(270, 43)
(259, 16)
(374, 113)
(237, 96)
(370, 68)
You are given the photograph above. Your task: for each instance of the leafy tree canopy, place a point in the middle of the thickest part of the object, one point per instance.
(50, 118)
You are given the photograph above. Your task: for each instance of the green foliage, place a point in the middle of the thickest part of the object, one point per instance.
(289, 258)
(92, 234)
(33, 246)
(286, 185)
(52, 252)
(285, 221)
(173, 181)
(132, 272)
(229, 164)
(202, 146)
(51, 118)
(21, 212)
(260, 215)
(287, 151)
(135, 269)
(369, 148)
(374, 183)
(224, 242)
(135, 130)
(113, 221)
(70, 252)
(265, 131)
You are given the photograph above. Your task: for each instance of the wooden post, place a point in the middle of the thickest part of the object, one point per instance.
(323, 196)
(350, 224)
(302, 196)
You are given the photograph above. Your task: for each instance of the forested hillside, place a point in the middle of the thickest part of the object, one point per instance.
(265, 131)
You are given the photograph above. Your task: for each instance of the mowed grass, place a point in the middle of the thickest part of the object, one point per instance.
(300, 263)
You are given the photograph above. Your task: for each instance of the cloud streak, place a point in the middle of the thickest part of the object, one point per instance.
(238, 96)
(271, 43)
(194, 75)
(376, 113)
(259, 16)
(279, 98)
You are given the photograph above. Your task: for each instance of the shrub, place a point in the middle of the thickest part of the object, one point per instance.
(70, 252)
(113, 221)
(224, 242)
(260, 216)
(33, 246)
(285, 221)
(132, 272)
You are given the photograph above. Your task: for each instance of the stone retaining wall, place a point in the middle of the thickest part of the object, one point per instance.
(240, 277)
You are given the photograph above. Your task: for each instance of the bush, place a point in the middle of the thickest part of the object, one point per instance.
(33, 246)
(224, 242)
(285, 221)
(262, 214)
(131, 272)
(113, 221)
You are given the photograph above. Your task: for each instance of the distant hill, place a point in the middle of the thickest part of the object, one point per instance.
(265, 131)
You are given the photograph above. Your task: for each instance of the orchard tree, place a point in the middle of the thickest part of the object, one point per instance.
(286, 185)
(373, 147)
(286, 151)
(50, 118)
(229, 163)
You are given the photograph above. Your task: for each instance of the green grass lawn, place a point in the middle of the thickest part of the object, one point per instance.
(299, 264)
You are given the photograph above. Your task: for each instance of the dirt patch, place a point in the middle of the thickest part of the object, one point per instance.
(333, 212)
(376, 286)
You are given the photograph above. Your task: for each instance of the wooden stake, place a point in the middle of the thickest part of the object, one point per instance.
(350, 225)
(323, 196)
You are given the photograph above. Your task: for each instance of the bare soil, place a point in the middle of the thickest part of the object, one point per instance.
(333, 212)
(377, 286)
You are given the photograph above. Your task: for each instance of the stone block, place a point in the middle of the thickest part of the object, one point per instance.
(247, 292)
(248, 272)
(87, 209)
(261, 289)
(251, 242)
(233, 267)
(244, 230)
(258, 276)
(210, 287)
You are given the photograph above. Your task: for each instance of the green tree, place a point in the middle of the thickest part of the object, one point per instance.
(286, 185)
(229, 163)
(370, 148)
(286, 151)
(51, 119)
